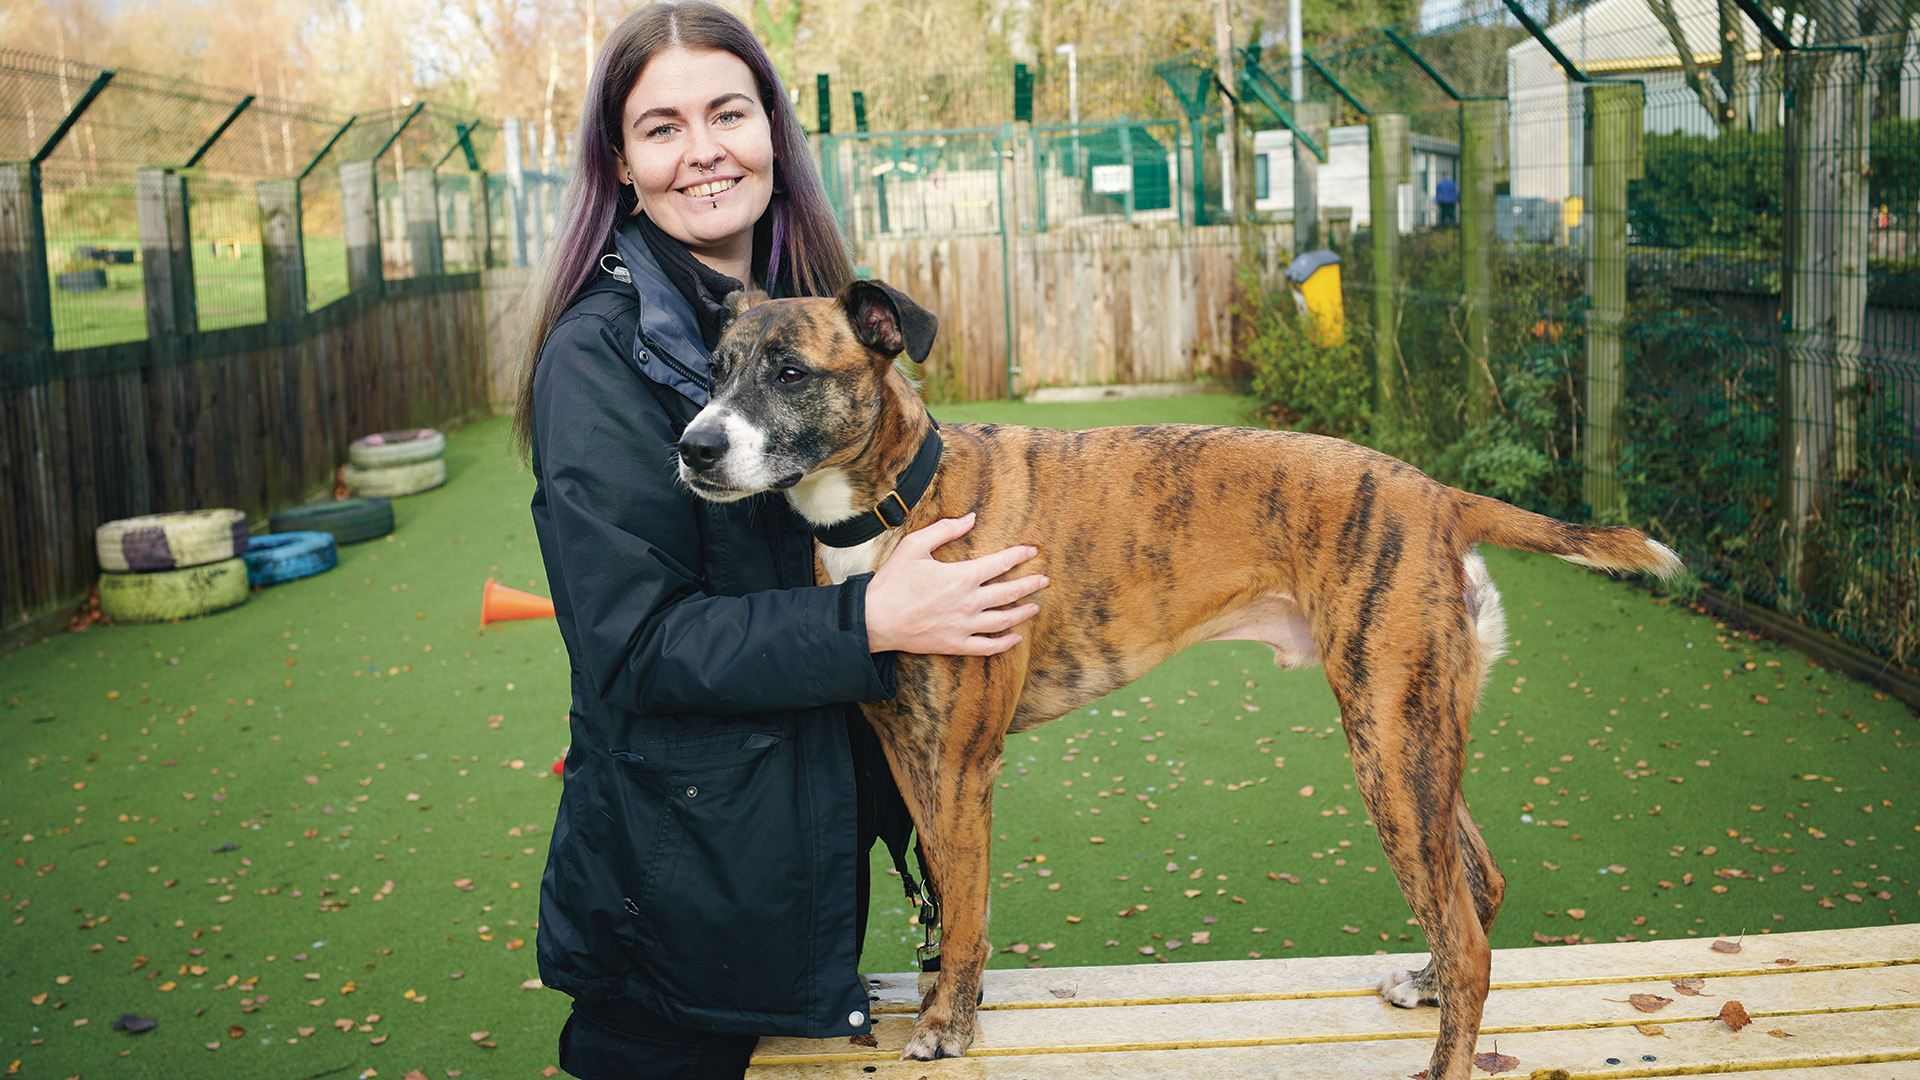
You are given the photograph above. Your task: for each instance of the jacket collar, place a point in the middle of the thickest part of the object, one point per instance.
(668, 348)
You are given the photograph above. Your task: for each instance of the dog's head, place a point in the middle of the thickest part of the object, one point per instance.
(798, 385)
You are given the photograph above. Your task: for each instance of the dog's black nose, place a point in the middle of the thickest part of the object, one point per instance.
(702, 447)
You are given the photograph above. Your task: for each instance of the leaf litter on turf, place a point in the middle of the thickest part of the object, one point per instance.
(243, 741)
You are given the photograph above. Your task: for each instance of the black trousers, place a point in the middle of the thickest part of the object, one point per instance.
(617, 1040)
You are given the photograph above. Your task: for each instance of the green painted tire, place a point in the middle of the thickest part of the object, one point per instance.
(154, 542)
(396, 481)
(174, 594)
(390, 448)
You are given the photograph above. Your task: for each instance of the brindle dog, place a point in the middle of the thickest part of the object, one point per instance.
(1155, 538)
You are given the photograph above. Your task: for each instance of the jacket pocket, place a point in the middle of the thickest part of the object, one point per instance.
(718, 915)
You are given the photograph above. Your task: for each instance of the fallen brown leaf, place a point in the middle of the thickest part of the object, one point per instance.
(478, 1035)
(1724, 946)
(235, 1031)
(863, 1040)
(1063, 991)
(1778, 1034)
(1496, 1062)
(1734, 1015)
(1651, 1030)
(1646, 1003)
(304, 1031)
(1784, 962)
(1688, 987)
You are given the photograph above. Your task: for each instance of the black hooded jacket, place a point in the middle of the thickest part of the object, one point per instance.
(705, 855)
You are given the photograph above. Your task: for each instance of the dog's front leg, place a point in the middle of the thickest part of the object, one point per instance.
(944, 748)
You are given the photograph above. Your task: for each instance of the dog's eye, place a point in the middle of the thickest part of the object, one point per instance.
(790, 375)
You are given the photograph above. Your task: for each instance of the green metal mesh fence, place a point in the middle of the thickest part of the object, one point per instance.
(93, 134)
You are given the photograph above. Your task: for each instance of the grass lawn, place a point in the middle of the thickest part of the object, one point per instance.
(331, 806)
(229, 291)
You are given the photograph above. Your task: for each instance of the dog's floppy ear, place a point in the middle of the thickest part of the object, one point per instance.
(887, 321)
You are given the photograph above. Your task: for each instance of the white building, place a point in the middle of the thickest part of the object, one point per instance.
(1343, 177)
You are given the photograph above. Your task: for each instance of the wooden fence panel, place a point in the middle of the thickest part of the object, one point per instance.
(255, 418)
(1094, 306)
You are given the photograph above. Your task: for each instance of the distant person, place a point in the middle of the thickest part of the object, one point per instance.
(1447, 194)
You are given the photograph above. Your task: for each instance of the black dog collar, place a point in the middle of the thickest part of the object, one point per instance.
(892, 510)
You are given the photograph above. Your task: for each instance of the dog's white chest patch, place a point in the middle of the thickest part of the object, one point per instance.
(843, 563)
(826, 497)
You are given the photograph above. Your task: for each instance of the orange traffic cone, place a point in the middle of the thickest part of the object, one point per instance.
(499, 602)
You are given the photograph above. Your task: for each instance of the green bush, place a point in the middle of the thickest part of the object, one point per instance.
(1301, 385)
(1719, 192)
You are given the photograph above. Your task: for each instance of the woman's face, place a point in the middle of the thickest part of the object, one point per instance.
(699, 148)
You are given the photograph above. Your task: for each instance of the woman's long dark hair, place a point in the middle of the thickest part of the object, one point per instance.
(805, 240)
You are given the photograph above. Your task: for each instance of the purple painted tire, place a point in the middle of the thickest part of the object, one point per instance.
(155, 542)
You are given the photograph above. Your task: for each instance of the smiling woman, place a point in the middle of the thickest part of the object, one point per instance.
(707, 882)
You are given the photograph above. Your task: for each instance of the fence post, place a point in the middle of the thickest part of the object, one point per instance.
(360, 224)
(1853, 122)
(481, 234)
(283, 260)
(26, 300)
(1613, 122)
(1314, 118)
(1482, 128)
(166, 252)
(516, 194)
(420, 196)
(1390, 143)
(1814, 138)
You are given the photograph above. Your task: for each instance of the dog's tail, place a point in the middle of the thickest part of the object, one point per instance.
(1602, 546)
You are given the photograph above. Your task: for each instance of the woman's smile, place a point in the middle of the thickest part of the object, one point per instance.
(710, 188)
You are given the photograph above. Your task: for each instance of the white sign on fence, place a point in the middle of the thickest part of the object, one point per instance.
(1112, 179)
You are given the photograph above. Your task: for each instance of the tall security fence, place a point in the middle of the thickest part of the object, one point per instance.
(1683, 291)
(206, 294)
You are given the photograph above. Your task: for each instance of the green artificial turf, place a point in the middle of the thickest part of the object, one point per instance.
(359, 728)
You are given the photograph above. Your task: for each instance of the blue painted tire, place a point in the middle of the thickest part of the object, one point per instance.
(289, 556)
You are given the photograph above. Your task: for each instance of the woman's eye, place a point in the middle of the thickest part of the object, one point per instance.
(660, 132)
(733, 117)
(790, 375)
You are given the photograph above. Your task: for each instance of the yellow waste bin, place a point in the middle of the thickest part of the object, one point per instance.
(1315, 280)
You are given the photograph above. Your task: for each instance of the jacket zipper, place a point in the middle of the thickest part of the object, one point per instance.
(668, 359)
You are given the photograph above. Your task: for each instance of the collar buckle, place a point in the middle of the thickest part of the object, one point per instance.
(881, 509)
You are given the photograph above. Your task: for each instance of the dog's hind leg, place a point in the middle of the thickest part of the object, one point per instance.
(1489, 887)
(1408, 754)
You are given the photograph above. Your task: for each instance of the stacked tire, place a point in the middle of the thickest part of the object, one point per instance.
(162, 567)
(396, 463)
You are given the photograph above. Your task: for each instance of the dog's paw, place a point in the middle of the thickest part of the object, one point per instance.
(935, 1039)
(1409, 989)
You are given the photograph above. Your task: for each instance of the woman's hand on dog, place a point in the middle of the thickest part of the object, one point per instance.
(918, 604)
